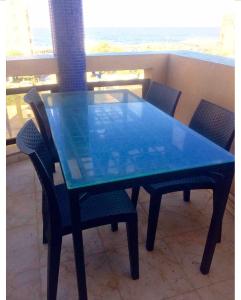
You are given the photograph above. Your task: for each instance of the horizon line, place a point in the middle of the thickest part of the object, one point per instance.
(217, 26)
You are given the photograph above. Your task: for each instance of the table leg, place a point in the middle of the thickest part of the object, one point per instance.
(78, 243)
(220, 197)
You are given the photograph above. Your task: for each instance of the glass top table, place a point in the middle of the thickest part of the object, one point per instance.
(113, 139)
(111, 136)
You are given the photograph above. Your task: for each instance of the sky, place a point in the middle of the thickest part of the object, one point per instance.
(139, 13)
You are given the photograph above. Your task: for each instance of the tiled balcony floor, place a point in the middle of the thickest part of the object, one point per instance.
(171, 271)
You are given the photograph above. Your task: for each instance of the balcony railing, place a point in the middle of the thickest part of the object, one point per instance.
(143, 83)
(197, 76)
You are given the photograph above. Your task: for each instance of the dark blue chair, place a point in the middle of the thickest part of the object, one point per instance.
(97, 210)
(163, 97)
(216, 124)
(37, 105)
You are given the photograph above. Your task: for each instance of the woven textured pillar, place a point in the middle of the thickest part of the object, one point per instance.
(68, 43)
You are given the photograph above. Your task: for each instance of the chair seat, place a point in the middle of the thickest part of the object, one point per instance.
(189, 183)
(96, 210)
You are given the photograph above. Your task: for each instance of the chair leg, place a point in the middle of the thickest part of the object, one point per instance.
(45, 238)
(45, 218)
(215, 204)
(77, 234)
(54, 251)
(132, 236)
(154, 209)
(135, 195)
(220, 197)
(134, 199)
(219, 238)
(186, 195)
(114, 227)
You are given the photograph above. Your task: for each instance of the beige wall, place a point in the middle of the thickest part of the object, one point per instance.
(199, 79)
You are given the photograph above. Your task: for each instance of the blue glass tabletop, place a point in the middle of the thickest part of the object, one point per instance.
(110, 136)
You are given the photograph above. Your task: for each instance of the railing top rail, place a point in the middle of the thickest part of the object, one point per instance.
(91, 85)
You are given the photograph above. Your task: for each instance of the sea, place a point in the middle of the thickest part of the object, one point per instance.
(41, 37)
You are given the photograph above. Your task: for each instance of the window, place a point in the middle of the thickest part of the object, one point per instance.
(128, 26)
(123, 26)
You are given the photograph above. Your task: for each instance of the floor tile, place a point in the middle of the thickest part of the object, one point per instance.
(188, 249)
(228, 229)
(177, 216)
(200, 201)
(101, 284)
(112, 240)
(22, 249)
(187, 296)
(21, 210)
(92, 245)
(143, 195)
(24, 286)
(20, 178)
(17, 169)
(58, 177)
(175, 221)
(220, 291)
(20, 185)
(160, 274)
(67, 285)
(37, 184)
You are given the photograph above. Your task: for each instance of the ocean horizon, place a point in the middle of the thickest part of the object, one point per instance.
(41, 37)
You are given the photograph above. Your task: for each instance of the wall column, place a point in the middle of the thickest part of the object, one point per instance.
(68, 43)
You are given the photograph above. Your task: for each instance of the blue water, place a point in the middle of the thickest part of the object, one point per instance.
(130, 36)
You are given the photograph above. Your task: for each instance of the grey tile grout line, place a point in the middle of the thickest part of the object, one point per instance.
(183, 294)
(214, 283)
